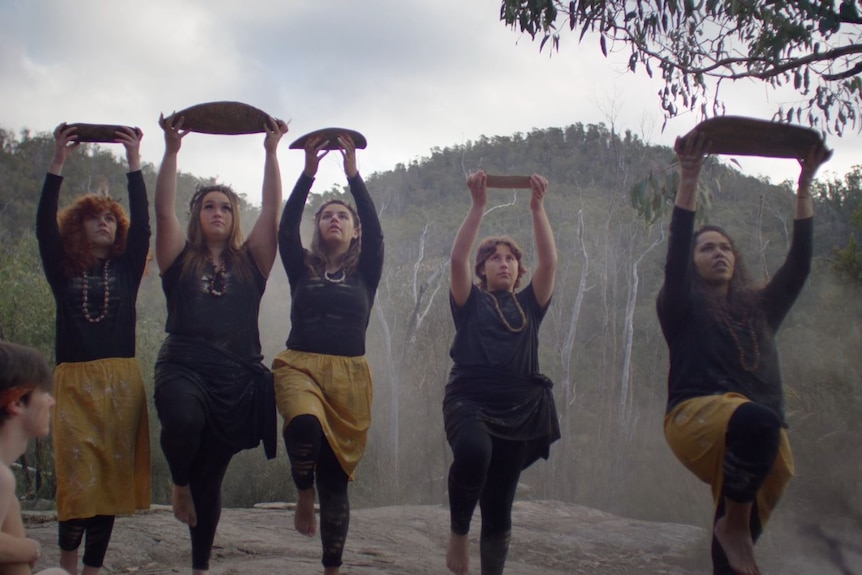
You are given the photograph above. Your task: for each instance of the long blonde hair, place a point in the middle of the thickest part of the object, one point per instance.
(198, 251)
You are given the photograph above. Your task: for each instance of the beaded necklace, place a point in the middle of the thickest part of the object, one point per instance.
(86, 288)
(746, 321)
(220, 272)
(503, 317)
(336, 278)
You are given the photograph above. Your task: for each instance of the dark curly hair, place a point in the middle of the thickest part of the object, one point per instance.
(487, 248)
(78, 256)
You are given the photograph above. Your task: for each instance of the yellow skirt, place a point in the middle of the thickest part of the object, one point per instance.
(101, 439)
(695, 430)
(335, 389)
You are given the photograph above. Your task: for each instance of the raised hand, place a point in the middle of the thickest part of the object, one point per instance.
(691, 151)
(539, 186)
(131, 140)
(274, 129)
(478, 184)
(315, 150)
(64, 144)
(348, 154)
(816, 157)
(174, 132)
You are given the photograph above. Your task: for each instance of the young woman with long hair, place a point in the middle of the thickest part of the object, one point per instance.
(213, 395)
(322, 380)
(94, 258)
(725, 417)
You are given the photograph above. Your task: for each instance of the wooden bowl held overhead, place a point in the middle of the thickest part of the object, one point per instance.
(223, 118)
(331, 137)
(741, 136)
(98, 133)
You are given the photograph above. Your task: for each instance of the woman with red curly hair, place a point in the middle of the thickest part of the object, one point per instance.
(498, 410)
(94, 258)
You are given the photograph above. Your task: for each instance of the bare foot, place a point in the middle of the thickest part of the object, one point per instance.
(738, 547)
(458, 555)
(184, 505)
(305, 521)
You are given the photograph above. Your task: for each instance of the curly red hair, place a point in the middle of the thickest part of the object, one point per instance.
(78, 255)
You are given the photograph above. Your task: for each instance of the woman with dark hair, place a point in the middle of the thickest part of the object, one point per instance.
(498, 409)
(725, 416)
(94, 258)
(322, 380)
(212, 393)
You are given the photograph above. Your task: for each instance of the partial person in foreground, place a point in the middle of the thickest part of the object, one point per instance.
(725, 417)
(94, 257)
(25, 413)
(322, 380)
(213, 395)
(498, 408)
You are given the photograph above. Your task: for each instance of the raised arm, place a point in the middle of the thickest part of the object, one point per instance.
(47, 230)
(263, 239)
(461, 279)
(138, 243)
(816, 157)
(170, 239)
(371, 256)
(546, 249)
(691, 152)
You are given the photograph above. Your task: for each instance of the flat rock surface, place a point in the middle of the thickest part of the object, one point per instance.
(548, 538)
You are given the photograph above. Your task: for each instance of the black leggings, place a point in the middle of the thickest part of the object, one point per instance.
(478, 457)
(98, 530)
(195, 458)
(752, 441)
(312, 461)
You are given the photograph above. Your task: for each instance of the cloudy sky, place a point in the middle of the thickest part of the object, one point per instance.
(409, 75)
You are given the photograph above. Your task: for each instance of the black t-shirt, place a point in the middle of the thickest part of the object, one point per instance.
(77, 339)
(228, 321)
(737, 353)
(482, 340)
(326, 317)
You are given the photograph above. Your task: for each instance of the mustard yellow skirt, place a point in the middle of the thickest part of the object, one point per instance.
(695, 430)
(101, 439)
(335, 389)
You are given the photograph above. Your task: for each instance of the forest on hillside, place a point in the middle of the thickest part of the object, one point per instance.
(600, 342)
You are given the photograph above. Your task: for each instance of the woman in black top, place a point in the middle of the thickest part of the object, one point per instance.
(498, 410)
(213, 394)
(94, 258)
(322, 381)
(725, 414)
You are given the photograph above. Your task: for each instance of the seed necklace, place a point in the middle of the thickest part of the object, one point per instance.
(503, 317)
(220, 272)
(86, 288)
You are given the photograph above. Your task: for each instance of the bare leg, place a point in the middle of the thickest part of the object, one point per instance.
(184, 505)
(69, 561)
(200, 571)
(87, 570)
(458, 554)
(734, 536)
(331, 570)
(305, 521)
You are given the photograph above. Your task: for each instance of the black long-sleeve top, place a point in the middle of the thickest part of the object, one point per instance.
(326, 317)
(76, 339)
(705, 355)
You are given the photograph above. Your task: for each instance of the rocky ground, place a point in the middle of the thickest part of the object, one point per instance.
(549, 538)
